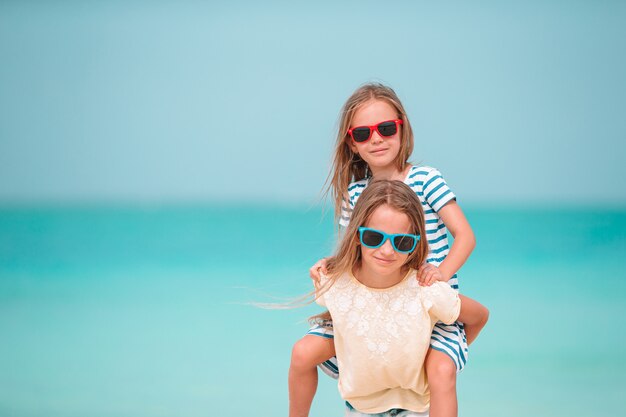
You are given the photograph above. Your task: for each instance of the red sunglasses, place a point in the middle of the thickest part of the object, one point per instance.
(385, 129)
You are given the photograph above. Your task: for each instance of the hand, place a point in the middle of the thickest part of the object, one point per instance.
(428, 274)
(314, 272)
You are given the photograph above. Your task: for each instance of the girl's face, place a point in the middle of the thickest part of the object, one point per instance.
(384, 264)
(378, 152)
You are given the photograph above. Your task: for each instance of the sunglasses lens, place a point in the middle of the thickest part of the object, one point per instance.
(361, 134)
(404, 243)
(371, 238)
(387, 129)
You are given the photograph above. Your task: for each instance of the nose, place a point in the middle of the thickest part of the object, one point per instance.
(376, 138)
(386, 249)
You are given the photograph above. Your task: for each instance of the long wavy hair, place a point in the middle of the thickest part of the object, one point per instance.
(394, 194)
(347, 166)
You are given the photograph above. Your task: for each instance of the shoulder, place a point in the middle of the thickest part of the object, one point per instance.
(333, 288)
(438, 291)
(422, 171)
(331, 279)
(418, 173)
(409, 283)
(439, 287)
(356, 188)
(419, 176)
(412, 275)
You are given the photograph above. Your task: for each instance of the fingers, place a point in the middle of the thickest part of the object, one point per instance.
(429, 278)
(428, 274)
(423, 274)
(314, 271)
(323, 264)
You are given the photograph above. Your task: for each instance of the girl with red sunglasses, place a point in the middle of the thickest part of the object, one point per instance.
(375, 141)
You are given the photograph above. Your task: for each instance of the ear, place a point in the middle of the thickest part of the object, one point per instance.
(353, 147)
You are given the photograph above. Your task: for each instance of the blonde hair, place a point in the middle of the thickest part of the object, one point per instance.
(348, 166)
(394, 194)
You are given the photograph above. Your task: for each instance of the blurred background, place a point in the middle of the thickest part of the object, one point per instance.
(161, 168)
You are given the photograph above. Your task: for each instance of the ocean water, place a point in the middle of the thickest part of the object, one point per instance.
(147, 311)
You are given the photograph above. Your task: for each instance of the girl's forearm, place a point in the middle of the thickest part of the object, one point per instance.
(464, 240)
(474, 315)
(460, 250)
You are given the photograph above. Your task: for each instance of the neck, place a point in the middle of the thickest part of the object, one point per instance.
(390, 173)
(377, 280)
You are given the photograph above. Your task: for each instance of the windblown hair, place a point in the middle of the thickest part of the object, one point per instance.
(394, 194)
(348, 166)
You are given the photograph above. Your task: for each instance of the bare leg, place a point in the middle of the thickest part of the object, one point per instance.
(440, 368)
(307, 353)
(474, 316)
(441, 373)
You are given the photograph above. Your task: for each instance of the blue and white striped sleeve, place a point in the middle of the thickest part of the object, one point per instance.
(436, 192)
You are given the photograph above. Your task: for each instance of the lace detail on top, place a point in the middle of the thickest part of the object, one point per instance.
(378, 317)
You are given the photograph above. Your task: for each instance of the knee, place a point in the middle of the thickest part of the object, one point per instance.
(302, 355)
(441, 370)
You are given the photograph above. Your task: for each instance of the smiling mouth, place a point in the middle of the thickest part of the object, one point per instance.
(384, 261)
(378, 151)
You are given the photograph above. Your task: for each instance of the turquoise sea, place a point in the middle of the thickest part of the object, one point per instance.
(146, 311)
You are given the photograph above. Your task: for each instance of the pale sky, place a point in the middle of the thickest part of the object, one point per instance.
(182, 101)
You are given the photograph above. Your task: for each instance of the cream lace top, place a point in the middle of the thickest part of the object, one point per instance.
(382, 337)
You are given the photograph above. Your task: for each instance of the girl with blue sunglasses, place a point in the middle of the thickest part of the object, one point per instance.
(382, 316)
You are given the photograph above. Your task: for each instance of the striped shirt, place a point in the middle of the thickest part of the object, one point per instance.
(434, 193)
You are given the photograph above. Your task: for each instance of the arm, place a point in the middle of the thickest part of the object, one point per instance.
(474, 316)
(464, 240)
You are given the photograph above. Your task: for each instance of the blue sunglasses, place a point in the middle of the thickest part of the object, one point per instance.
(372, 238)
